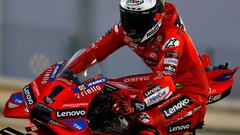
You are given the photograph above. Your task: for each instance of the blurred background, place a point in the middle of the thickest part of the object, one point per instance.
(35, 34)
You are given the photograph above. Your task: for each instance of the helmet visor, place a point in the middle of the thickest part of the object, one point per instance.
(136, 24)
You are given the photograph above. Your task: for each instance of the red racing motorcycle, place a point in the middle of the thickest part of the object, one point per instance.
(61, 102)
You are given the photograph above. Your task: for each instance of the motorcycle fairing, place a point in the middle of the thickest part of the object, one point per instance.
(220, 83)
(16, 106)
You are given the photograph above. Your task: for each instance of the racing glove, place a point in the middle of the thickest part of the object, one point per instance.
(158, 91)
(129, 106)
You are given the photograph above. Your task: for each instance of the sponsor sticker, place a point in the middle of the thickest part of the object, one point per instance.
(136, 79)
(17, 98)
(71, 113)
(172, 42)
(87, 86)
(149, 62)
(187, 115)
(68, 82)
(55, 71)
(96, 82)
(173, 55)
(134, 2)
(143, 117)
(56, 123)
(175, 107)
(44, 108)
(75, 105)
(214, 98)
(47, 75)
(153, 30)
(29, 95)
(79, 88)
(82, 87)
(77, 124)
(87, 92)
(110, 88)
(179, 127)
(152, 90)
(157, 96)
(170, 68)
(138, 105)
(168, 73)
(171, 61)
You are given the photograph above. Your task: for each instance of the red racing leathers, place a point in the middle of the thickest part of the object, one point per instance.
(174, 61)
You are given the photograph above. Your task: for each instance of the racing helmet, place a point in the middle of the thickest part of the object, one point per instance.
(141, 19)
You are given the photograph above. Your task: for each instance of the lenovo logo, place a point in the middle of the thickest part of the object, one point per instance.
(72, 113)
(181, 127)
(29, 96)
(152, 90)
(175, 107)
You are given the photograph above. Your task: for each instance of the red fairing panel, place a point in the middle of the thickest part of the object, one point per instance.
(220, 80)
(15, 106)
(17, 103)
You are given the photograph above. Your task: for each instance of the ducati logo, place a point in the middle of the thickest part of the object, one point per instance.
(134, 2)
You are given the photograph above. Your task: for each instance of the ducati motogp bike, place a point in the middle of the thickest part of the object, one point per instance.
(62, 102)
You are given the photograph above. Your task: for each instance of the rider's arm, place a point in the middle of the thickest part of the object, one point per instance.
(161, 82)
(102, 48)
(162, 85)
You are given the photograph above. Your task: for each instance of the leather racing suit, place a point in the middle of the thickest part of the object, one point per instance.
(174, 60)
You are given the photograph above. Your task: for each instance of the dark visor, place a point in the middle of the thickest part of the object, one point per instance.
(137, 23)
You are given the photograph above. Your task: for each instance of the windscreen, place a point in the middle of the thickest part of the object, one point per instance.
(82, 68)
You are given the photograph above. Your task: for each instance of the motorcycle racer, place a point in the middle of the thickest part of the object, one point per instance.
(154, 30)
